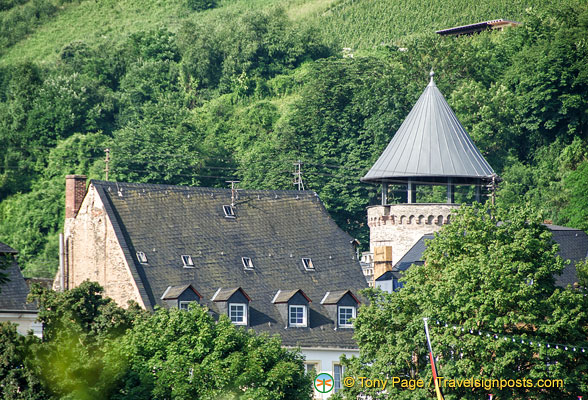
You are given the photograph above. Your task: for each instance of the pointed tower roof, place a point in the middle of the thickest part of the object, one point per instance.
(431, 145)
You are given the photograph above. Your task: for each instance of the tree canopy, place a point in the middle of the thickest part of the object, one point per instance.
(491, 270)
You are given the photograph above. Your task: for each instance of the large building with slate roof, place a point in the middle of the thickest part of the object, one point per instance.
(13, 296)
(273, 261)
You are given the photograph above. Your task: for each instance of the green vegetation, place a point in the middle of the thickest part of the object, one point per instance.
(195, 93)
(486, 277)
(93, 349)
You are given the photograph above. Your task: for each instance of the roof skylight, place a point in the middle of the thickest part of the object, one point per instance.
(187, 260)
(247, 263)
(308, 265)
(229, 211)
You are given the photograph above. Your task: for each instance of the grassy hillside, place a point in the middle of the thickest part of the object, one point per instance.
(359, 24)
(244, 89)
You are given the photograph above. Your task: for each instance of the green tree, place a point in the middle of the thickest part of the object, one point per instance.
(576, 184)
(179, 354)
(490, 270)
(78, 327)
(17, 381)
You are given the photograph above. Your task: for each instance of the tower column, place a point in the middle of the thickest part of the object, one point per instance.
(384, 193)
(450, 191)
(411, 192)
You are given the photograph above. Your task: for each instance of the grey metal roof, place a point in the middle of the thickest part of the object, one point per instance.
(431, 144)
(414, 255)
(275, 228)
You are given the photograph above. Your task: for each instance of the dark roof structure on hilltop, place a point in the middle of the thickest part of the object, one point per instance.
(477, 27)
(431, 145)
(14, 292)
(275, 229)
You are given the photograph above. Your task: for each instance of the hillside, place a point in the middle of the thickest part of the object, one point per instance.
(197, 92)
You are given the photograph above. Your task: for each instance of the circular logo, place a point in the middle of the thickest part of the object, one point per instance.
(323, 383)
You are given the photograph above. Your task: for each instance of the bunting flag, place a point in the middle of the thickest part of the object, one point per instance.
(433, 366)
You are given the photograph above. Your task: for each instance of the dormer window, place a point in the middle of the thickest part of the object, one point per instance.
(297, 315)
(238, 313)
(293, 307)
(180, 296)
(229, 211)
(341, 306)
(187, 261)
(141, 257)
(308, 265)
(234, 303)
(247, 263)
(345, 314)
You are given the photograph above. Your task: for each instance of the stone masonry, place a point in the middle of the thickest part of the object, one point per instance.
(402, 225)
(94, 253)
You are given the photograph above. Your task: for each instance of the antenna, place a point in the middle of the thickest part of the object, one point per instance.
(298, 175)
(106, 161)
(234, 191)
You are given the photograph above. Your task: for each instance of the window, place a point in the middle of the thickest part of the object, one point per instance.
(247, 262)
(308, 265)
(141, 257)
(337, 375)
(187, 260)
(238, 313)
(310, 368)
(184, 305)
(229, 211)
(297, 316)
(345, 315)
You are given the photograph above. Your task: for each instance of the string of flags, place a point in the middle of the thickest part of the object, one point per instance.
(520, 340)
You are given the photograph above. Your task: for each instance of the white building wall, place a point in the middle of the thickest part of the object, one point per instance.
(26, 322)
(326, 359)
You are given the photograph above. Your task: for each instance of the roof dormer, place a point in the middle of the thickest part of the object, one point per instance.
(342, 307)
(181, 296)
(234, 303)
(293, 306)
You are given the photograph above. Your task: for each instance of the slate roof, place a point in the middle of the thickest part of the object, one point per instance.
(276, 229)
(14, 292)
(430, 145)
(573, 246)
(282, 296)
(224, 294)
(4, 248)
(173, 292)
(334, 297)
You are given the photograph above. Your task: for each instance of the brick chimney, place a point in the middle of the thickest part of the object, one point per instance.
(75, 190)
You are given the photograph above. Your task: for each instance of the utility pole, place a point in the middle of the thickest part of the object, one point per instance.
(298, 175)
(106, 161)
(234, 191)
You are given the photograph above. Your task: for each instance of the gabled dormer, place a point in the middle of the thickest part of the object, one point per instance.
(234, 303)
(342, 307)
(181, 296)
(293, 306)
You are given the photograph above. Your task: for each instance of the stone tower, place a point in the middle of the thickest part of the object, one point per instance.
(431, 147)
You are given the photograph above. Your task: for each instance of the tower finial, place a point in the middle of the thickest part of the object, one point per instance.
(432, 74)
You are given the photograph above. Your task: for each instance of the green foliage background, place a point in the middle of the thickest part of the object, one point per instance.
(193, 96)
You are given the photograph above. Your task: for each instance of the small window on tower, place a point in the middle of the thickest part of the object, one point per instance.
(229, 211)
(187, 260)
(141, 257)
(308, 265)
(247, 263)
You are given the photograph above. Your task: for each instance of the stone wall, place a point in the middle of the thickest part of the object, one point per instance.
(93, 252)
(402, 225)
